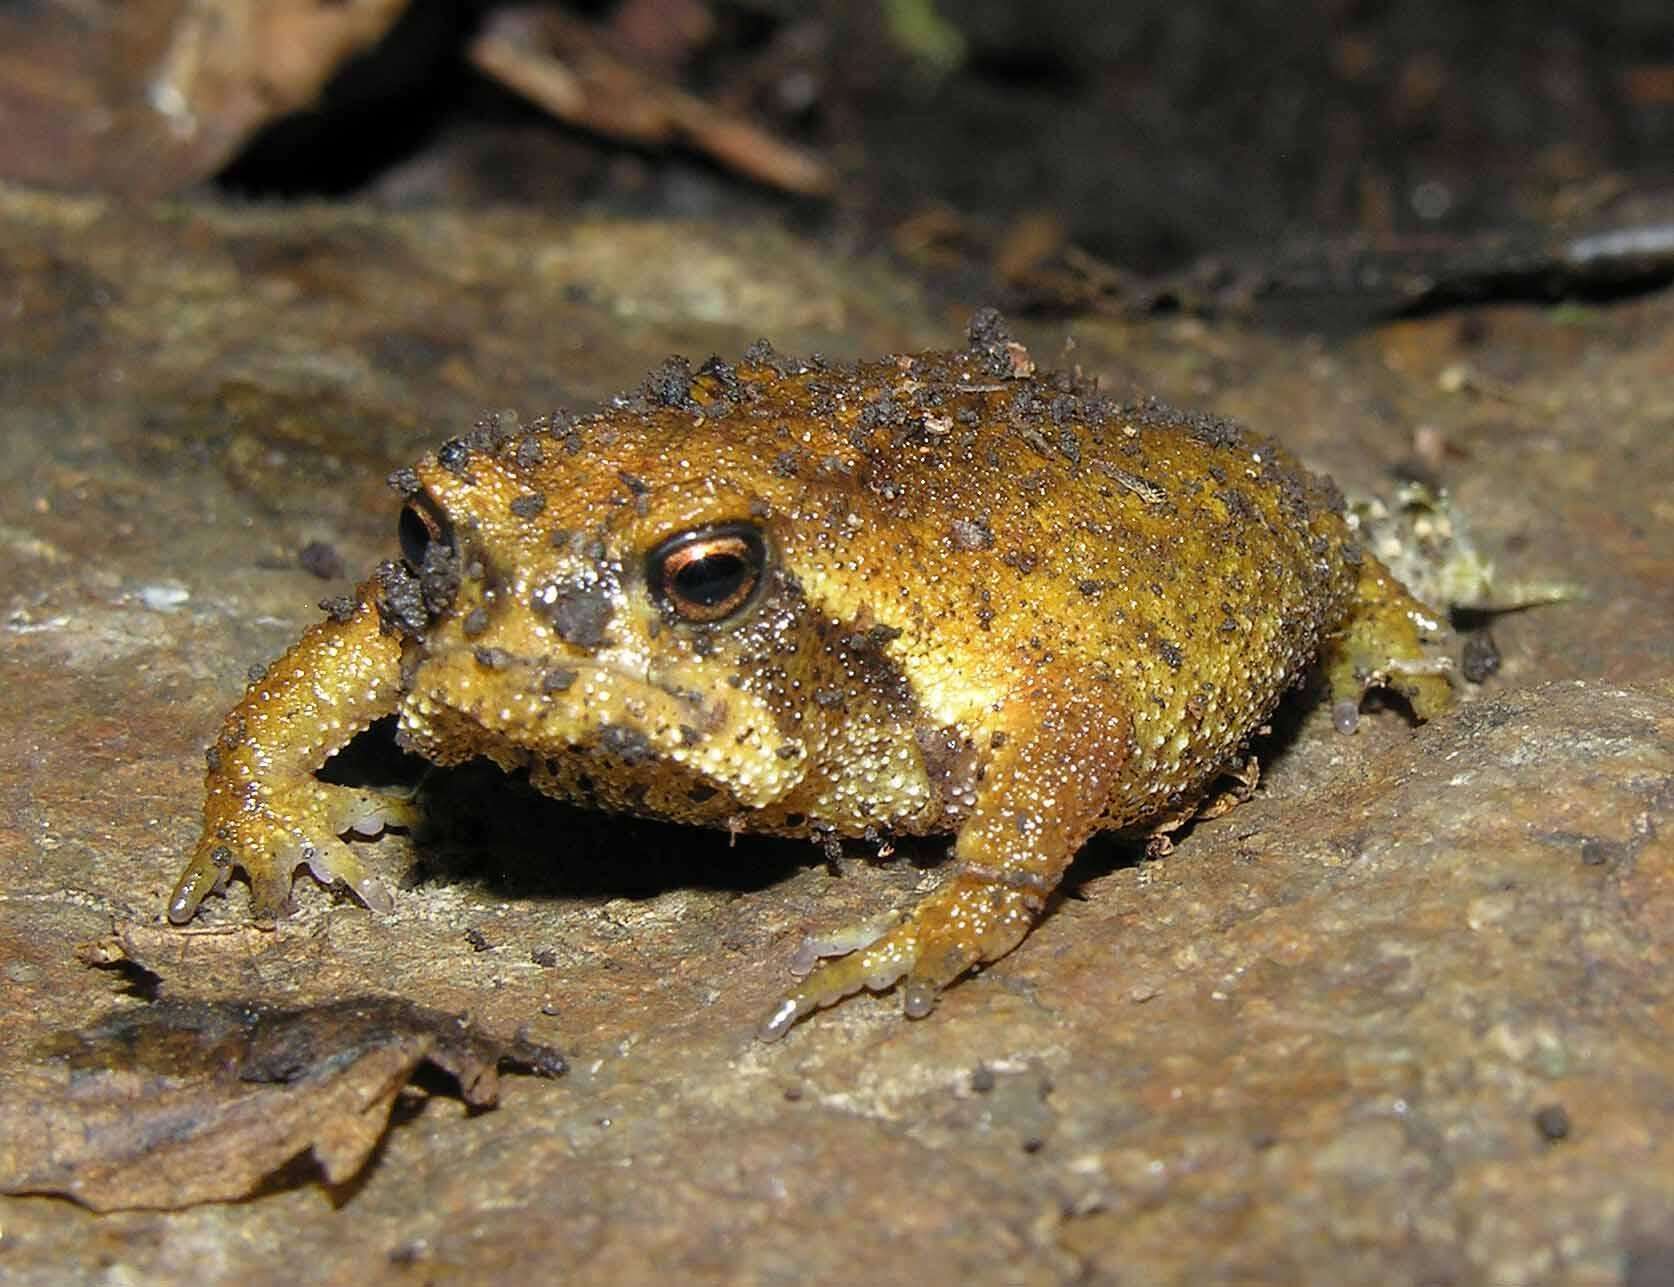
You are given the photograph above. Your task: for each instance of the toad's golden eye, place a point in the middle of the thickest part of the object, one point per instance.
(423, 531)
(708, 574)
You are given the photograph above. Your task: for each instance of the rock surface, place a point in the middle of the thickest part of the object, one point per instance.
(1406, 1016)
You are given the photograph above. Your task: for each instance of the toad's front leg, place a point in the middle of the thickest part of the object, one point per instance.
(264, 810)
(1042, 796)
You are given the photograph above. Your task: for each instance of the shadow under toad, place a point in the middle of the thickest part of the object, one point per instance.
(490, 829)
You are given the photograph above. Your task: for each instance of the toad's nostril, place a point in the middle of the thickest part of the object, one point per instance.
(579, 613)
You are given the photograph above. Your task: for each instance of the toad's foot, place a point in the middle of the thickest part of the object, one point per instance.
(970, 920)
(264, 811)
(1384, 645)
(269, 846)
(1043, 793)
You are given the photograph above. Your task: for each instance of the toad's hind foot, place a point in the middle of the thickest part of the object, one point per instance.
(269, 846)
(1386, 643)
(966, 922)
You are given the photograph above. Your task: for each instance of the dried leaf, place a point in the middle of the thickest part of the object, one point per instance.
(148, 96)
(179, 1103)
(564, 67)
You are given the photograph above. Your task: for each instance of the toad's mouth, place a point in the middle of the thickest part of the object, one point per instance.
(459, 705)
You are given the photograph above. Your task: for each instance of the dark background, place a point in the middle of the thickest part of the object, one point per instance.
(1150, 133)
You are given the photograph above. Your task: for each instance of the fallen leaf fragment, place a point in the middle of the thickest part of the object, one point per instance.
(149, 96)
(564, 67)
(184, 1102)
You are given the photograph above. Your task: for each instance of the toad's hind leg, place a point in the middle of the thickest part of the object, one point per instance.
(1042, 796)
(1382, 645)
(264, 810)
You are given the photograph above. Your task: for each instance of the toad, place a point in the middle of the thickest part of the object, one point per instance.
(940, 593)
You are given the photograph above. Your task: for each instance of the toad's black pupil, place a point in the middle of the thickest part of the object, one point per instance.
(711, 579)
(423, 531)
(414, 535)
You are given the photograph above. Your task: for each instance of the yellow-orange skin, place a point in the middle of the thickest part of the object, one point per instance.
(994, 604)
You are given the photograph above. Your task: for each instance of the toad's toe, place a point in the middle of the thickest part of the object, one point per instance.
(964, 923)
(283, 832)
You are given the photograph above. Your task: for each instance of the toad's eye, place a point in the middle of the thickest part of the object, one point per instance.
(708, 574)
(421, 530)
